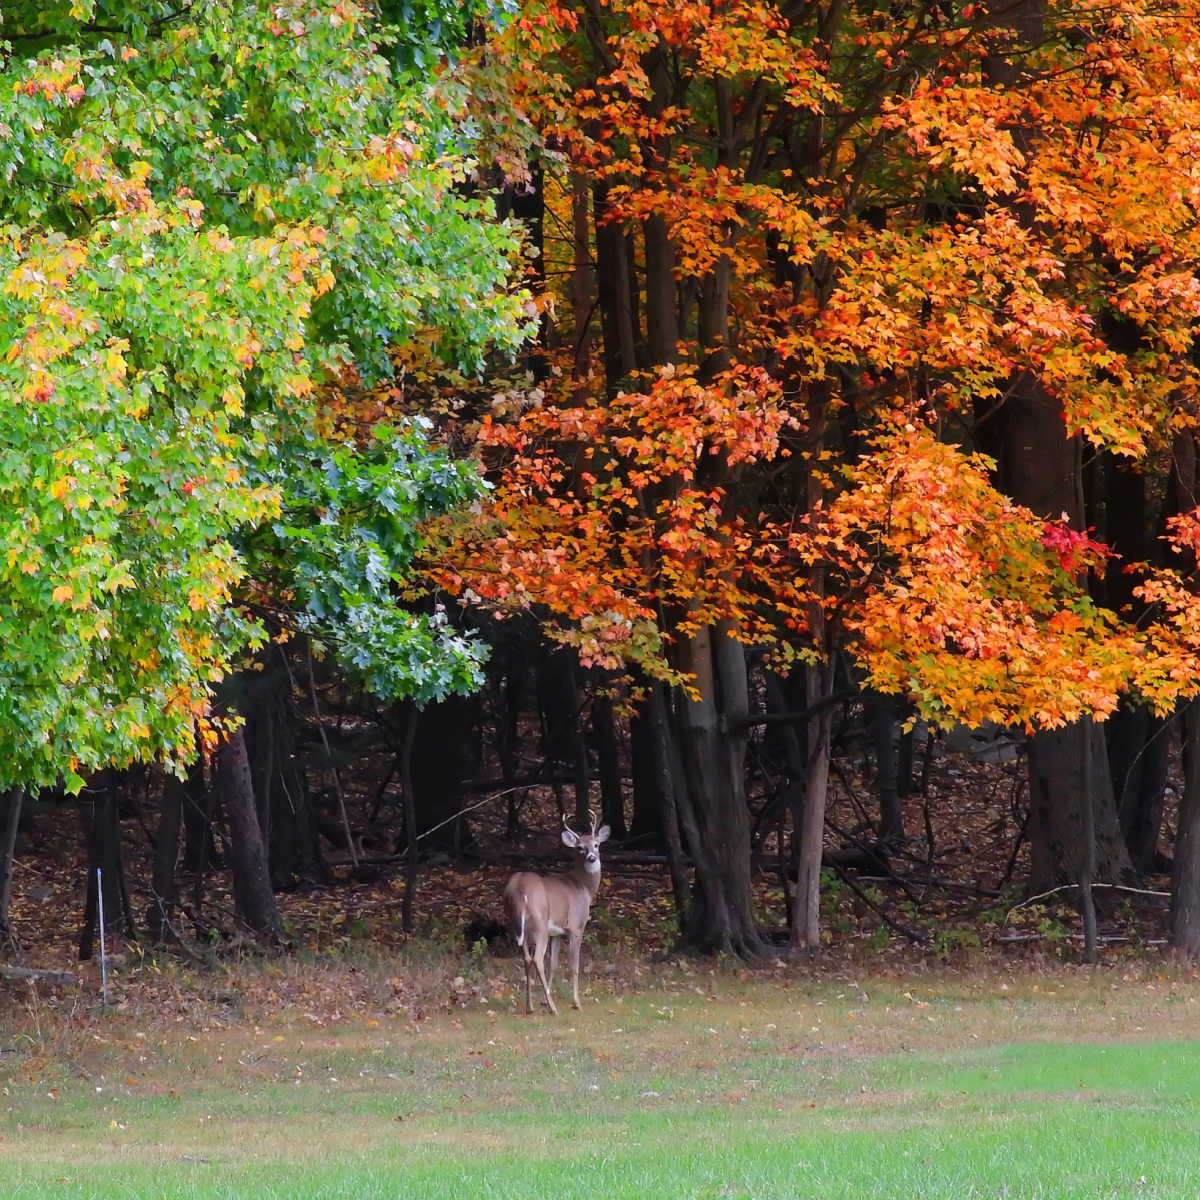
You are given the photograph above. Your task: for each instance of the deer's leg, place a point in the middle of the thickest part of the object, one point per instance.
(554, 944)
(539, 961)
(573, 951)
(527, 959)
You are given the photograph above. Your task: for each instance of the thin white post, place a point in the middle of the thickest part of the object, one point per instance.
(103, 954)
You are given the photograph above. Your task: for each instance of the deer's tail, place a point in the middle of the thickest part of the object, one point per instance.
(521, 924)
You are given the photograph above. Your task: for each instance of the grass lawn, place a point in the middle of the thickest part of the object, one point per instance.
(697, 1083)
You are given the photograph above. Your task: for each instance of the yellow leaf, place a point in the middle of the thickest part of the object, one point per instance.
(63, 594)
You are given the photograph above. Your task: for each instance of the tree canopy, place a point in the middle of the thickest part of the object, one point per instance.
(853, 226)
(211, 215)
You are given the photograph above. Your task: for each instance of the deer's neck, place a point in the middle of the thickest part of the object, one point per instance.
(586, 879)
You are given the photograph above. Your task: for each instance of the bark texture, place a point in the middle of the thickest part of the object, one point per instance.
(711, 734)
(1185, 881)
(10, 819)
(1040, 470)
(102, 816)
(252, 892)
(806, 908)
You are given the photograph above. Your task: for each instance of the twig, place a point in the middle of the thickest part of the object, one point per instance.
(1012, 861)
(872, 852)
(799, 717)
(913, 935)
(1117, 887)
(1011, 939)
(462, 812)
(852, 793)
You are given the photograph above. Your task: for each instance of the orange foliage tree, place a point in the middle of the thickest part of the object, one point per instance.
(872, 284)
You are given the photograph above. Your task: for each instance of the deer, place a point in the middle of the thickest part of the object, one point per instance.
(541, 909)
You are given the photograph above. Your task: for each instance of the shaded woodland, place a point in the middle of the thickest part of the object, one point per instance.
(313, 802)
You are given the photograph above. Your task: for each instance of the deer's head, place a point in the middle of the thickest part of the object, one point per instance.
(586, 845)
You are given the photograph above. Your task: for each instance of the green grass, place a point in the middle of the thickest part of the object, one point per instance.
(741, 1088)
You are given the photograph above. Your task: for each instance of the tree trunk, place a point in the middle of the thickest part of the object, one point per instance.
(615, 290)
(1056, 823)
(661, 761)
(287, 806)
(786, 741)
(806, 903)
(252, 891)
(713, 320)
(1138, 757)
(608, 763)
(1087, 852)
(583, 282)
(11, 811)
(104, 853)
(565, 742)
(1130, 518)
(649, 803)
(883, 719)
(508, 738)
(1185, 880)
(410, 817)
(660, 285)
(199, 846)
(443, 753)
(160, 914)
(711, 732)
(1040, 470)
(581, 775)
(528, 205)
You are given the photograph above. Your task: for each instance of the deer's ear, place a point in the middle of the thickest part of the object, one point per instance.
(602, 834)
(570, 838)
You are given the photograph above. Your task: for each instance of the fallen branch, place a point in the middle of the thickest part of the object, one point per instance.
(1107, 939)
(12, 974)
(1065, 887)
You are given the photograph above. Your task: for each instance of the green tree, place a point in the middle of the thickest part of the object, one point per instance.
(209, 215)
